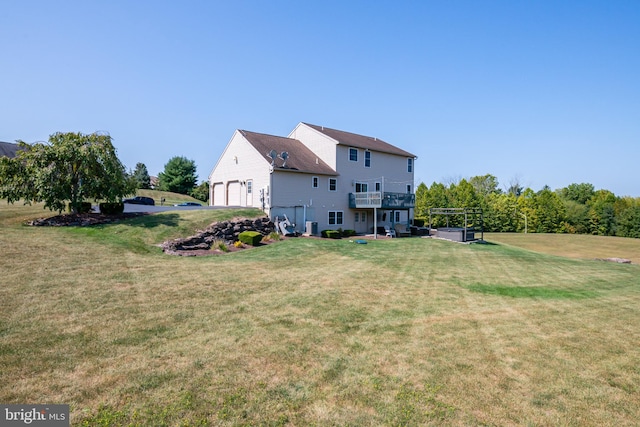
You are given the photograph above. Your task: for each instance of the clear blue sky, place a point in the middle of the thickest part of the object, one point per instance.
(543, 92)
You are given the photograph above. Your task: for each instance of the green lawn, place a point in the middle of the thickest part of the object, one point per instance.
(169, 198)
(311, 331)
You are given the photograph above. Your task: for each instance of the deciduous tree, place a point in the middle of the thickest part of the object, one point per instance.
(72, 167)
(201, 192)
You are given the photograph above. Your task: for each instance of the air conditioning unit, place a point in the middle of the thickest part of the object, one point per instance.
(311, 228)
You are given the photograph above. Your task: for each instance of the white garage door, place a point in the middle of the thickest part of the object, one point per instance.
(218, 194)
(233, 196)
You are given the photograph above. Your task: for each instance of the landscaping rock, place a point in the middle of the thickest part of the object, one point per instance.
(226, 231)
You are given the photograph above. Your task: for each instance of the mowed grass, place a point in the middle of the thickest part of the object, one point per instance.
(311, 331)
(578, 246)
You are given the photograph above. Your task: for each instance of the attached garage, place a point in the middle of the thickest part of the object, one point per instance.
(233, 193)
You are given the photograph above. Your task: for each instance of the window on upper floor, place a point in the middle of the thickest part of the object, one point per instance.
(362, 187)
(315, 181)
(409, 188)
(333, 184)
(353, 154)
(409, 165)
(378, 186)
(367, 159)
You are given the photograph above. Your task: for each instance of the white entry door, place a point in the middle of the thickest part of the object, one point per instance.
(362, 222)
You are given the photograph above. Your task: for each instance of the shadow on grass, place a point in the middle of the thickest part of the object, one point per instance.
(486, 243)
(155, 220)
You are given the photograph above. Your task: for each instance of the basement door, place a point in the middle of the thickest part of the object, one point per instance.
(361, 222)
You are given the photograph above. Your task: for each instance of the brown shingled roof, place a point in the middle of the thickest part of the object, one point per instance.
(361, 141)
(301, 159)
(8, 149)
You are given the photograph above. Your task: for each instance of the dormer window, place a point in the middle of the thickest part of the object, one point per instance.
(353, 154)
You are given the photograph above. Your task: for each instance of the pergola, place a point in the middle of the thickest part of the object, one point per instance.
(473, 222)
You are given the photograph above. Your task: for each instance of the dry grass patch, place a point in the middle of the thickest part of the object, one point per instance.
(577, 246)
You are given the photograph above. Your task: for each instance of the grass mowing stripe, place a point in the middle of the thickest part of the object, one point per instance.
(543, 292)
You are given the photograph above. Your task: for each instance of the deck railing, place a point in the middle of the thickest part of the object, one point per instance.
(377, 199)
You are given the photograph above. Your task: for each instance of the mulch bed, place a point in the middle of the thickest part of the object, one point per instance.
(83, 220)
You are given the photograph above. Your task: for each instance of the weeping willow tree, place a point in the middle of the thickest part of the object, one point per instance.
(70, 168)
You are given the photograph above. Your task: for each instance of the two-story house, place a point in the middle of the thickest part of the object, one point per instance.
(316, 174)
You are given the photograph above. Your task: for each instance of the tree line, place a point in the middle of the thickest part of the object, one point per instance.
(577, 208)
(75, 167)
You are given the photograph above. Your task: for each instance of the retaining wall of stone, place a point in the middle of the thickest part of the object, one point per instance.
(226, 231)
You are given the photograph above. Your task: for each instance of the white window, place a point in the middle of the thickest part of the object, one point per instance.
(378, 186)
(397, 219)
(367, 159)
(314, 182)
(353, 154)
(363, 217)
(409, 165)
(335, 217)
(249, 186)
(333, 184)
(357, 214)
(362, 187)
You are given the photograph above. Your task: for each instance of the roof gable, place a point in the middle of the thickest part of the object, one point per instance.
(301, 158)
(360, 141)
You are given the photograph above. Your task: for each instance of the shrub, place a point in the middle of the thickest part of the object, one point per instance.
(348, 233)
(238, 244)
(112, 208)
(418, 222)
(85, 207)
(331, 234)
(274, 235)
(252, 238)
(222, 246)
